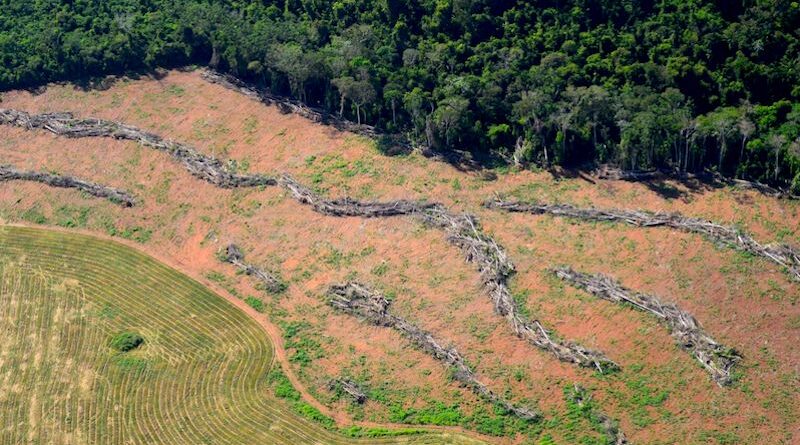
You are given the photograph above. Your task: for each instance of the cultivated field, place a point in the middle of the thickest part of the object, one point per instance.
(201, 375)
(660, 395)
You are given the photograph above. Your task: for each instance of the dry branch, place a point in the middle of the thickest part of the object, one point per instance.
(608, 172)
(234, 255)
(495, 268)
(358, 300)
(350, 207)
(204, 167)
(717, 359)
(781, 254)
(121, 197)
(350, 388)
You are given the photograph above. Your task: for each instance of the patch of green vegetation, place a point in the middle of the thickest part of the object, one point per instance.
(299, 337)
(478, 328)
(134, 365)
(437, 413)
(34, 215)
(254, 303)
(642, 396)
(136, 233)
(359, 431)
(71, 217)
(381, 269)
(521, 299)
(126, 341)
(283, 389)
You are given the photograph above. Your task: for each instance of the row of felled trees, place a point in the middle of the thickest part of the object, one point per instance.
(684, 85)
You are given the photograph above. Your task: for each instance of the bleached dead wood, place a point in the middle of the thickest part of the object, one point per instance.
(717, 359)
(782, 254)
(350, 207)
(358, 300)
(121, 197)
(204, 167)
(608, 172)
(581, 397)
(234, 255)
(350, 388)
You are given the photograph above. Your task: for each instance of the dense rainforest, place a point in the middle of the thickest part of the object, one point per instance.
(684, 85)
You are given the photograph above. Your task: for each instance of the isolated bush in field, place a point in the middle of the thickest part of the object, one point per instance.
(255, 303)
(126, 341)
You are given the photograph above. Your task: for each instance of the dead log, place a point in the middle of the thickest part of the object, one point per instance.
(234, 255)
(117, 196)
(357, 300)
(607, 172)
(717, 359)
(350, 388)
(784, 255)
(350, 207)
(204, 167)
(581, 397)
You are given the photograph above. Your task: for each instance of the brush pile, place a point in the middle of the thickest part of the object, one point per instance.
(350, 207)
(496, 268)
(204, 167)
(782, 254)
(121, 197)
(717, 359)
(350, 388)
(357, 300)
(234, 255)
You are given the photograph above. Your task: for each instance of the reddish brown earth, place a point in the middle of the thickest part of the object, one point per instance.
(743, 302)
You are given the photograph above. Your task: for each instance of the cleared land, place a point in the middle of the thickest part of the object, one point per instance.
(201, 375)
(661, 395)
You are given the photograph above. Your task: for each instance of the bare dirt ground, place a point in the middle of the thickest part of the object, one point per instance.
(660, 396)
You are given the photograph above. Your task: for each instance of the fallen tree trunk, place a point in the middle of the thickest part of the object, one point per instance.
(357, 300)
(204, 167)
(234, 255)
(495, 268)
(606, 172)
(350, 388)
(717, 359)
(117, 196)
(350, 207)
(782, 254)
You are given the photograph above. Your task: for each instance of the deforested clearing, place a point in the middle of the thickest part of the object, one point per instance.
(659, 395)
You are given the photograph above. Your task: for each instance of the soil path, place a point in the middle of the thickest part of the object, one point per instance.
(273, 332)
